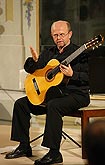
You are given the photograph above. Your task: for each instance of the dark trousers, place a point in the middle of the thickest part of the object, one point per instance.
(56, 108)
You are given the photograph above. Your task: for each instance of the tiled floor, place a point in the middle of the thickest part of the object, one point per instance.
(70, 151)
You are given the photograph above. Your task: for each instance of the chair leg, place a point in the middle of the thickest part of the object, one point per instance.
(71, 139)
(64, 136)
(38, 137)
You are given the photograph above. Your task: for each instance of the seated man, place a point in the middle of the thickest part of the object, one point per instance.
(73, 94)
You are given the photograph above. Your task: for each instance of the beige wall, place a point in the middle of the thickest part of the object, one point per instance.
(15, 40)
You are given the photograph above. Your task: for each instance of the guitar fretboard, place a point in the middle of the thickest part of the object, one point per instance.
(74, 55)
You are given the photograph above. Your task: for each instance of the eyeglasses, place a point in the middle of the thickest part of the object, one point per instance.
(62, 35)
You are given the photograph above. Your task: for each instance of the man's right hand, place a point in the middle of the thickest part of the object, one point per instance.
(34, 54)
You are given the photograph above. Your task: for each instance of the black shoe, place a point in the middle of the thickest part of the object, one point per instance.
(19, 153)
(48, 159)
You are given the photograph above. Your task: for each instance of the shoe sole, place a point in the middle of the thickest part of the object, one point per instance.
(58, 163)
(49, 164)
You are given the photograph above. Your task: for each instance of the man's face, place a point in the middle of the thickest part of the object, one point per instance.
(60, 34)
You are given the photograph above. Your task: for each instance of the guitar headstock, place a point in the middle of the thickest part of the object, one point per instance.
(95, 42)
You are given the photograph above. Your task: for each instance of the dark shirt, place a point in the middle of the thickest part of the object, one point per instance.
(80, 78)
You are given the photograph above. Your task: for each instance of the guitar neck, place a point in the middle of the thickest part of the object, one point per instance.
(92, 43)
(74, 55)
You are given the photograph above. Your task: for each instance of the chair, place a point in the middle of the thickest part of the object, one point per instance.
(22, 76)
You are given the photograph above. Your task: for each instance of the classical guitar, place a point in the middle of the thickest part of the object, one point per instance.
(37, 84)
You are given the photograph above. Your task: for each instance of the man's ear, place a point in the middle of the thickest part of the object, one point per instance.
(70, 34)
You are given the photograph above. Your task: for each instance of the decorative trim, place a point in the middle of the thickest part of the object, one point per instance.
(9, 10)
(29, 7)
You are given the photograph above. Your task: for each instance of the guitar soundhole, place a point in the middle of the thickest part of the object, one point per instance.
(49, 75)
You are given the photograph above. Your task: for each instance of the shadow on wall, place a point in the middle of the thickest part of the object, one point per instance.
(5, 117)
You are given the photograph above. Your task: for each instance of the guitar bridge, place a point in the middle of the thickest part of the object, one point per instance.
(36, 86)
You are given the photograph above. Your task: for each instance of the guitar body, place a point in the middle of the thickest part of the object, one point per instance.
(35, 96)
